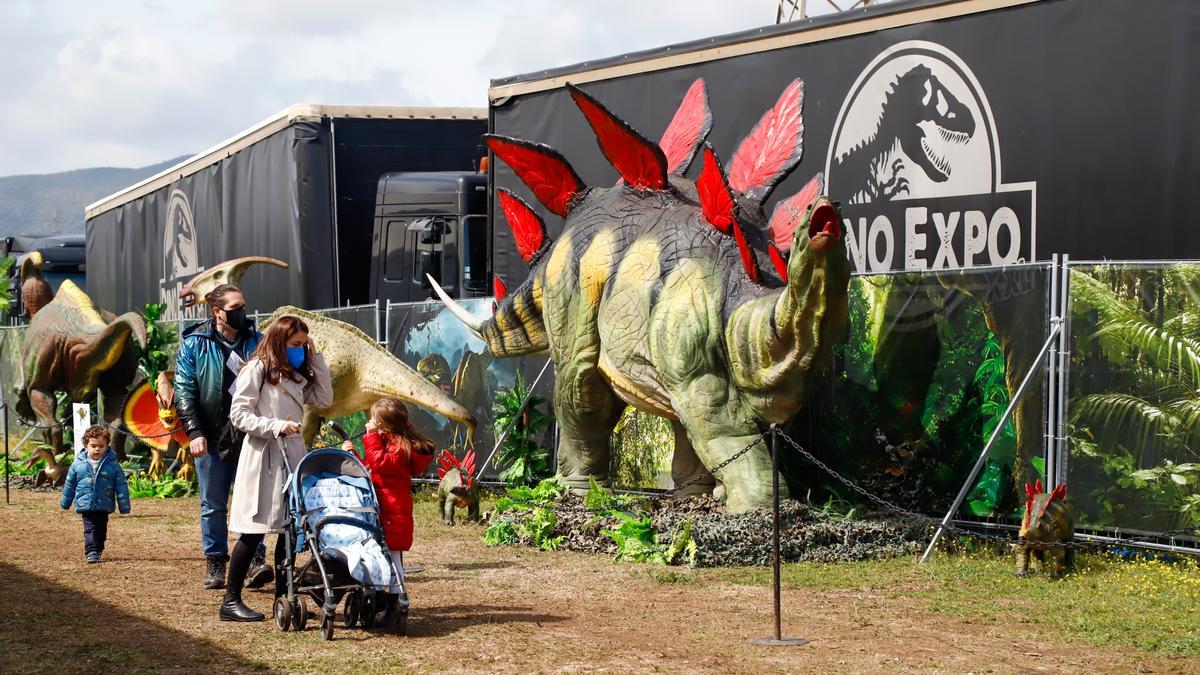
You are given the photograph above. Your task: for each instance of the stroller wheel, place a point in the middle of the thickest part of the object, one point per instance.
(283, 614)
(353, 609)
(369, 610)
(326, 626)
(402, 622)
(300, 614)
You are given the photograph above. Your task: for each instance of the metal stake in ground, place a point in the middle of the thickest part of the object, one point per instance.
(778, 639)
(4, 411)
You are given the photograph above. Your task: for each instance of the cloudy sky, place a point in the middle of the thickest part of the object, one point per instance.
(131, 83)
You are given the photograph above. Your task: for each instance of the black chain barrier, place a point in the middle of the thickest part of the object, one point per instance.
(954, 529)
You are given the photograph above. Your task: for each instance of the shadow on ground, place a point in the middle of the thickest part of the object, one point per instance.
(48, 627)
(442, 621)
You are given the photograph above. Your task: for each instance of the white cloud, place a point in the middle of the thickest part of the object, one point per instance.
(124, 84)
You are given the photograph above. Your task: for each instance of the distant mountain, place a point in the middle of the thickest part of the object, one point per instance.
(53, 203)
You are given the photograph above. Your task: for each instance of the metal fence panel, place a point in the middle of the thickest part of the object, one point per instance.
(1133, 408)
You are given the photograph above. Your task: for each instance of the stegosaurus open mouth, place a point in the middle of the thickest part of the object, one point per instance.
(823, 226)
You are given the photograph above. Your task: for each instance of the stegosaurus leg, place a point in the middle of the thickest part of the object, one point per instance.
(687, 467)
(747, 480)
(587, 412)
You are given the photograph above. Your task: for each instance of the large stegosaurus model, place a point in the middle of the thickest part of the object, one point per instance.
(676, 298)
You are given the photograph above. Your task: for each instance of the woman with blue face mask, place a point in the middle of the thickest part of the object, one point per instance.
(284, 373)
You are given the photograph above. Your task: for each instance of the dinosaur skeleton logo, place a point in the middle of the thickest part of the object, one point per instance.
(180, 254)
(915, 156)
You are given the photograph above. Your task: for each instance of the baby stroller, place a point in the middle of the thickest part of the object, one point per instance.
(333, 513)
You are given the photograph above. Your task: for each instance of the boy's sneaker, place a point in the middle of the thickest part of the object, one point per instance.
(260, 573)
(93, 557)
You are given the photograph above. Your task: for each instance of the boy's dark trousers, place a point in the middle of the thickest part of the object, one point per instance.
(95, 531)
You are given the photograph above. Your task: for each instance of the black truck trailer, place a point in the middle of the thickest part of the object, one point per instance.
(323, 188)
(1025, 127)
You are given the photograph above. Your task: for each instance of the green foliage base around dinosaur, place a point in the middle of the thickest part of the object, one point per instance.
(693, 531)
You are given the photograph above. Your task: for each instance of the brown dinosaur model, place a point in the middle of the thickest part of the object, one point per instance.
(53, 474)
(674, 297)
(363, 372)
(35, 291)
(70, 347)
(228, 272)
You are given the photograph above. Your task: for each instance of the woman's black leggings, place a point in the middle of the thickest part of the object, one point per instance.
(242, 556)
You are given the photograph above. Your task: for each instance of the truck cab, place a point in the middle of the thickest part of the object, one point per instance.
(435, 223)
(63, 257)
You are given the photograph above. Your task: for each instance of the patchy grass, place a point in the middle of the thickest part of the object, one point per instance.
(1149, 605)
(512, 609)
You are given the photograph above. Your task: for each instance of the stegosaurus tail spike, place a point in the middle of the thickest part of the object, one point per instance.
(772, 148)
(640, 161)
(790, 212)
(528, 228)
(718, 207)
(688, 129)
(546, 172)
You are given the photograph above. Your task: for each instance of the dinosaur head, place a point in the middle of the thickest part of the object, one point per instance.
(1042, 521)
(928, 120)
(164, 393)
(228, 272)
(436, 369)
(31, 266)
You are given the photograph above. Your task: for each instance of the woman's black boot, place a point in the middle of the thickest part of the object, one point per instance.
(232, 607)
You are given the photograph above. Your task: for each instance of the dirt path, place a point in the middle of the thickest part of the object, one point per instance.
(475, 609)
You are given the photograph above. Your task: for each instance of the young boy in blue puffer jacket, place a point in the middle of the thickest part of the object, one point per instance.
(96, 483)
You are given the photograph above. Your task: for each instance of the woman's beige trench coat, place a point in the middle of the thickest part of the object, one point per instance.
(261, 409)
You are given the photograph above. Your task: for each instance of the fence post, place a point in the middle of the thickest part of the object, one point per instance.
(777, 639)
(1050, 447)
(1064, 374)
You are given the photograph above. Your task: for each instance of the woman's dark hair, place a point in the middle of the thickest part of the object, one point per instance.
(215, 299)
(393, 418)
(272, 351)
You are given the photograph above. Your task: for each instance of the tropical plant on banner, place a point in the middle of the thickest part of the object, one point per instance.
(156, 356)
(525, 461)
(1140, 418)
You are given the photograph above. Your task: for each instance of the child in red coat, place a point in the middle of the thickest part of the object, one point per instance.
(395, 452)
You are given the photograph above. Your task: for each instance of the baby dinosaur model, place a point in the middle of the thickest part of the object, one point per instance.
(679, 299)
(149, 414)
(70, 347)
(53, 474)
(363, 372)
(457, 488)
(1047, 521)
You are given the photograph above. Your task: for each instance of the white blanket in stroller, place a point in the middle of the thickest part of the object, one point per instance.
(330, 494)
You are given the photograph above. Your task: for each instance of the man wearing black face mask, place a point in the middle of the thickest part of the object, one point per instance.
(210, 355)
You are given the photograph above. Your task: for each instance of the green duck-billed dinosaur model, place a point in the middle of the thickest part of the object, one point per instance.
(71, 346)
(363, 372)
(679, 299)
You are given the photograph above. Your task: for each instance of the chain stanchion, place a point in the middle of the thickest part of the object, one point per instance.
(7, 459)
(778, 640)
